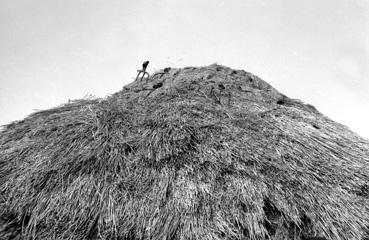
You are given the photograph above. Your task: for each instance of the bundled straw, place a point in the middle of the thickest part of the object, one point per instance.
(197, 153)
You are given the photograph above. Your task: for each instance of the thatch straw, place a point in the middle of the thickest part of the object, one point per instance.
(195, 153)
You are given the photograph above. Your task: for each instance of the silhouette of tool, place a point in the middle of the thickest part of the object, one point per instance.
(143, 71)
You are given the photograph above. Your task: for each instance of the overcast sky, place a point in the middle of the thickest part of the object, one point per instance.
(313, 50)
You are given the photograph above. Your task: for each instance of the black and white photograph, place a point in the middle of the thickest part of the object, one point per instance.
(184, 120)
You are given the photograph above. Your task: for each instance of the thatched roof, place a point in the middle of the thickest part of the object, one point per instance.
(195, 153)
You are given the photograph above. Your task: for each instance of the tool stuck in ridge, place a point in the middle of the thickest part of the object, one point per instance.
(143, 71)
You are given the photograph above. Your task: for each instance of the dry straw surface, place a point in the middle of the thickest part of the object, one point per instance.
(193, 153)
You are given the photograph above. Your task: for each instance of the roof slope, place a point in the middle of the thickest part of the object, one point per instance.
(193, 153)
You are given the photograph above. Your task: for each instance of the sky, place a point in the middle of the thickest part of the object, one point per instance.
(316, 51)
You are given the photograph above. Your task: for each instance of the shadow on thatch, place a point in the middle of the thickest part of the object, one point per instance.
(194, 153)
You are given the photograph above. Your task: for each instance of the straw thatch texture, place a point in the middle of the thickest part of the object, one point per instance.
(194, 153)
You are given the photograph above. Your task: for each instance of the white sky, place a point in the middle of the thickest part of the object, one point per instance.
(313, 50)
